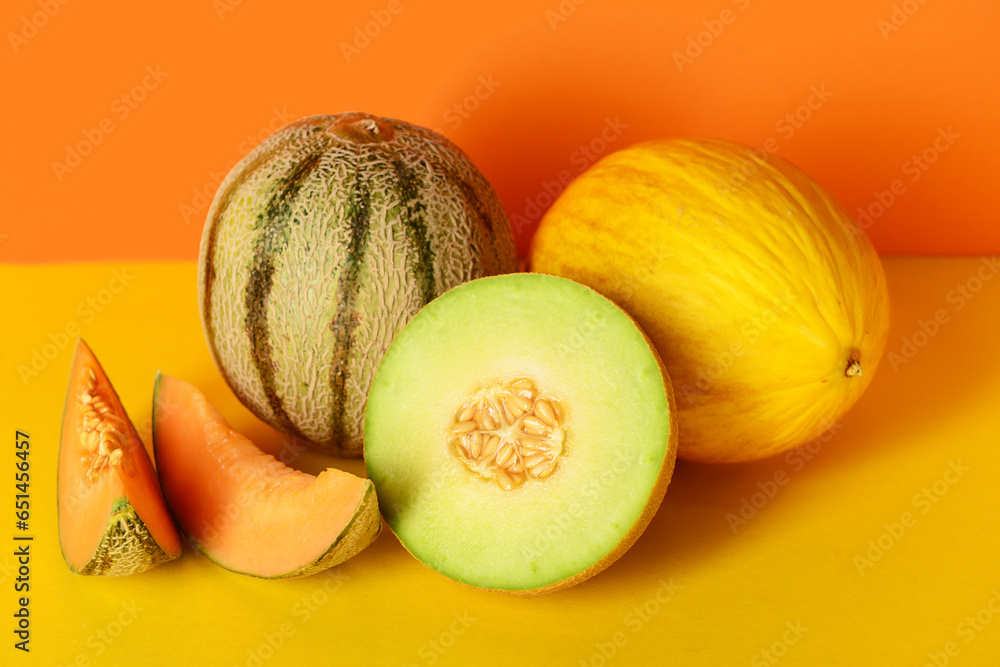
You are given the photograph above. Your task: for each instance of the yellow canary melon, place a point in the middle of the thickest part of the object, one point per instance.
(766, 302)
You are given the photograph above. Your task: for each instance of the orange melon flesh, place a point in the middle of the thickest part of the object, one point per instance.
(115, 522)
(244, 509)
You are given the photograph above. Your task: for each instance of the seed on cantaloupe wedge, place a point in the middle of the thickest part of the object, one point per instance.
(112, 517)
(245, 510)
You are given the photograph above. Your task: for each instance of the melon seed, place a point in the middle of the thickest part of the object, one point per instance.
(491, 447)
(475, 445)
(544, 410)
(486, 421)
(505, 454)
(464, 427)
(505, 480)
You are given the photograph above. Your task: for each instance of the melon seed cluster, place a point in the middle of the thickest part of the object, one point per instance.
(100, 430)
(510, 433)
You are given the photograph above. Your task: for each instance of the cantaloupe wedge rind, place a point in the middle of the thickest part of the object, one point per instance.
(127, 547)
(561, 377)
(242, 508)
(112, 517)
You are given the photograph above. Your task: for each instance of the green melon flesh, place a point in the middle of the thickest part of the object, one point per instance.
(619, 451)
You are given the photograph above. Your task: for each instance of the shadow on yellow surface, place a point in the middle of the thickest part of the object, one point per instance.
(873, 547)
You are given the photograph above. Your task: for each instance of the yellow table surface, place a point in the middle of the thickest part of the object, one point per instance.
(820, 575)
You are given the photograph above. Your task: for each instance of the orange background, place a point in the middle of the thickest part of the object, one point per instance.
(234, 70)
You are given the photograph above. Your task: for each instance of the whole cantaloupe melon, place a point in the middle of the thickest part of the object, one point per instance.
(766, 302)
(320, 245)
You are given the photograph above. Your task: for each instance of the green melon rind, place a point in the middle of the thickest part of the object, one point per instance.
(412, 218)
(127, 546)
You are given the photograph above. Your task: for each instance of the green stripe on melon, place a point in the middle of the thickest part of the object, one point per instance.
(320, 245)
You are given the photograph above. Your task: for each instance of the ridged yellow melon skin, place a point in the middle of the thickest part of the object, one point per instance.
(766, 302)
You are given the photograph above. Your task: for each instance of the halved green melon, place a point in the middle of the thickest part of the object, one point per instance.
(520, 433)
(112, 518)
(244, 509)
